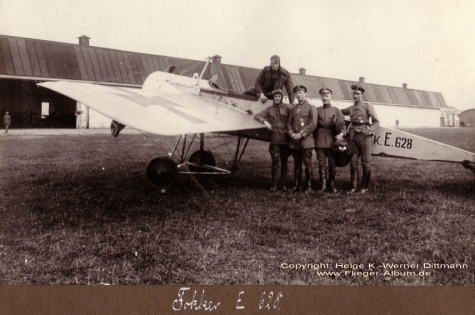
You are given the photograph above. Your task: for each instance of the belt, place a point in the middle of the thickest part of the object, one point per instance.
(359, 124)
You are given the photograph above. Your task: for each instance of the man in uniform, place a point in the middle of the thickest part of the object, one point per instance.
(301, 124)
(364, 122)
(275, 118)
(330, 123)
(7, 121)
(270, 79)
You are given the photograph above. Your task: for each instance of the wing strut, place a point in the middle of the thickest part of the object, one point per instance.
(183, 150)
(237, 157)
(176, 146)
(202, 145)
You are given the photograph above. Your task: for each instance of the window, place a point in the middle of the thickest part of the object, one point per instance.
(44, 109)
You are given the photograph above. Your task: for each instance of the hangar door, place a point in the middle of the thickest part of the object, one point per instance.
(31, 106)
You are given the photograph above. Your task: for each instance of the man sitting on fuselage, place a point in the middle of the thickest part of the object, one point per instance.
(271, 79)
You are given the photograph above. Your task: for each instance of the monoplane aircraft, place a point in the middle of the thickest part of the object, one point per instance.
(174, 105)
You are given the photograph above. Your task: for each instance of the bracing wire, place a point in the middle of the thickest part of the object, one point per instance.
(153, 141)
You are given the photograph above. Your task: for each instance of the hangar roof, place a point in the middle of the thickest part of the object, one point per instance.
(468, 112)
(34, 58)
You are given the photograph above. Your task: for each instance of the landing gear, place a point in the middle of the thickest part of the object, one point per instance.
(200, 161)
(161, 172)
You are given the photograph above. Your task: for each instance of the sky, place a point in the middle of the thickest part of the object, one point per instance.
(427, 44)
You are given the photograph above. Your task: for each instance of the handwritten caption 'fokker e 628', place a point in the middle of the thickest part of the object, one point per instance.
(268, 301)
(398, 142)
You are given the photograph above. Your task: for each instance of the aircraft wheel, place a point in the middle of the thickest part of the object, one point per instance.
(161, 172)
(202, 157)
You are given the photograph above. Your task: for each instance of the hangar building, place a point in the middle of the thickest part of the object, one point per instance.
(25, 62)
(467, 118)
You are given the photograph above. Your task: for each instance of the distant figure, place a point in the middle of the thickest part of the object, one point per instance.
(275, 118)
(271, 79)
(78, 118)
(28, 118)
(7, 121)
(397, 124)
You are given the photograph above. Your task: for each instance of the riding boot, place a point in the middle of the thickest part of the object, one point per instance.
(354, 181)
(365, 182)
(297, 176)
(308, 180)
(283, 176)
(332, 188)
(323, 179)
(275, 174)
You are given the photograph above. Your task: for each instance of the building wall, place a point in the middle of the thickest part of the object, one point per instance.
(449, 117)
(24, 61)
(409, 117)
(449, 120)
(97, 120)
(28, 59)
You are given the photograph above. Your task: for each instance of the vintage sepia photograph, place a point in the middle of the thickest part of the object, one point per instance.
(237, 143)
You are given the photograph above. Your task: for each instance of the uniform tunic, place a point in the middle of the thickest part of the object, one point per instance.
(277, 116)
(269, 80)
(330, 120)
(303, 119)
(359, 132)
(359, 115)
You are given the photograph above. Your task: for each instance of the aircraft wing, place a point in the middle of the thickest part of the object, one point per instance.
(168, 112)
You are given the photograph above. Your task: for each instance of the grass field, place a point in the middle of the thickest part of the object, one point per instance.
(77, 209)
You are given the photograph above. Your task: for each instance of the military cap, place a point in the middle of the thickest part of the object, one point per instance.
(325, 89)
(277, 58)
(357, 87)
(300, 87)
